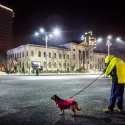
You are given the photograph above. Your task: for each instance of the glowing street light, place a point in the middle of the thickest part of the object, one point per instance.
(99, 40)
(119, 39)
(36, 33)
(56, 32)
(108, 41)
(46, 36)
(42, 30)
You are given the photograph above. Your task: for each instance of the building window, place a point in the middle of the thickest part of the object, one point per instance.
(90, 66)
(67, 65)
(95, 59)
(67, 56)
(90, 58)
(60, 65)
(45, 54)
(22, 54)
(64, 65)
(49, 55)
(16, 55)
(27, 65)
(63, 56)
(55, 65)
(26, 53)
(44, 64)
(20, 64)
(23, 64)
(98, 60)
(32, 53)
(60, 56)
(102, 60)
(39, 54)
(73, 49)
(49, 64)
(54, 55)
(73, 56)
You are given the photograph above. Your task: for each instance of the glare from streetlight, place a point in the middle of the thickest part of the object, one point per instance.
(36, 34)
(99, 40)
(118, 39)
(42, 30)
(50, 35)
(56, 32)
(109, 37)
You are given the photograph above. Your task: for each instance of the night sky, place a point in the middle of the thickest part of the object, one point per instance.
(74, 17)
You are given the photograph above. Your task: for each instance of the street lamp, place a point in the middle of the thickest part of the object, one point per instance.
(47, 35)
(108, 43)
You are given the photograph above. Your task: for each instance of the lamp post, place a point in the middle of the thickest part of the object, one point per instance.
(46, 36)
(46, 39)
(108, 43)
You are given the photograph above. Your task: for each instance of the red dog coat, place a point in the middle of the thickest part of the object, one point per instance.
(65, 103)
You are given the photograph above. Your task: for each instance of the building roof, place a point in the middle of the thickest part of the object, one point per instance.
(4, 7)
(36, 45)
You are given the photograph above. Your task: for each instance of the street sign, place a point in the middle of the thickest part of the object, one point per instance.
(36, 65)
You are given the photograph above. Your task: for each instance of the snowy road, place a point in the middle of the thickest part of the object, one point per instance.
(25, 100)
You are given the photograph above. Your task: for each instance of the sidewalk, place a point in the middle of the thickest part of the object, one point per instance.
(49, 74)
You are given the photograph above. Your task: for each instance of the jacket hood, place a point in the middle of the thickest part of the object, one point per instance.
(109, 58)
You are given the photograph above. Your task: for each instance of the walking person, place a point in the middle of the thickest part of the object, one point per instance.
(115, 67)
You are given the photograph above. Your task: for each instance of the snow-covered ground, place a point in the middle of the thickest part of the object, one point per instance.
(3, 73)
(48, 77)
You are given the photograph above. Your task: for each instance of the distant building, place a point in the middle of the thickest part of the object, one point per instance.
(6, 33)
(68, 57)
(83, 57)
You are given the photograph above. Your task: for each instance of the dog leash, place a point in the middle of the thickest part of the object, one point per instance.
(86, 87)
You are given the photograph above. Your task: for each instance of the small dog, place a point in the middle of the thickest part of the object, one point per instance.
(66, 104)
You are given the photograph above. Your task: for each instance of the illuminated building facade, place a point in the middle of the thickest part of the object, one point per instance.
(70, 57)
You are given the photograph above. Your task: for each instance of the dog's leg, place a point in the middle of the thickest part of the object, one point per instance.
(62, 112)
(73, 110)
